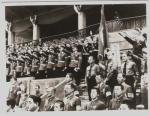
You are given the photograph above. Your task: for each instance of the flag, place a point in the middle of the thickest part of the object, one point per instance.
(103, 41)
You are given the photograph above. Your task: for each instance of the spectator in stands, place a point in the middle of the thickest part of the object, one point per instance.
(127, 92)
(105, 94)
(110, 68)
(138, 43)
(13, 89)
(71, 99)
(141, 63)
(13, 63)
(22, 95)
(8, 64)
(27, 64)
(33, 103)
(35, 64)
(117, 98)
(52, 59)
(43, 65)
(59, 106)
(129, 70)
(75, 64)
(49, 99)
(37, 91)
(61, 61)
(94, 46)
(95, 103)
(92, 71)
(70, 79)
(19, 67)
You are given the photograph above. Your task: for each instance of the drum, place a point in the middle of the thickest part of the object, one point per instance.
(50, 65)
(42, 67)
(61, 64)
(34, 68)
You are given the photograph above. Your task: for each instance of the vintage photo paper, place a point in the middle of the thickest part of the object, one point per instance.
(75, 57)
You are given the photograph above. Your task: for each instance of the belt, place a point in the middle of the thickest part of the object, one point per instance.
(51, 63)
(61, 61)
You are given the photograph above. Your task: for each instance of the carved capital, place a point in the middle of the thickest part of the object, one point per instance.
(78, 8)
(8, 26)
(33, 19)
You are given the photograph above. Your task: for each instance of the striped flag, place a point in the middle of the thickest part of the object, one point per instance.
(103, 41)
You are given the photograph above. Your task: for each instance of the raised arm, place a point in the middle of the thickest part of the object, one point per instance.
(126, 37)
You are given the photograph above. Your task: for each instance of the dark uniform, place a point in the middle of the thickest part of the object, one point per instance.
(27, 65)
(43, 66)
(49, 103)
(96, 105)
(35, 66)
(71, 102)
(61, 64)
(51, 64)
(13, 64)
(91, 72)
(75, 65)
(8, 69)
(94, 48)
(130, 72)
(105, 93)
(19, 67)
(111, 74)
(85, 50)
(137, 50)
(128, 95)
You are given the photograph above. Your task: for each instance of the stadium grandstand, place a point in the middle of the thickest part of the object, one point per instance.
(54, 46)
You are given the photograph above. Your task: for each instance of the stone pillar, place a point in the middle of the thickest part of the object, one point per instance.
(81, 18)
(10, 34)
(36, 30)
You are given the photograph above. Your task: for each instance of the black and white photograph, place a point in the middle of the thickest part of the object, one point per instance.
(79, 57)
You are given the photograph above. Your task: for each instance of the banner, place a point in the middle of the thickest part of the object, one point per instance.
(103, 41)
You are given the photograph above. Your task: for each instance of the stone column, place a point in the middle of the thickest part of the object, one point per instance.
(36, 30)
(10, 34)
(81, 18)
